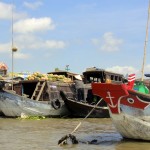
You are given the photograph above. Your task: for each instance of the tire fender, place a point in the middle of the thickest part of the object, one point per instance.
(55, 103)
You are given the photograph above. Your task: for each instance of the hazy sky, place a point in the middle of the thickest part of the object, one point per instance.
(49, 34)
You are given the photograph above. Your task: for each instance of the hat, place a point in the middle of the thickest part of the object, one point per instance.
(78, 77)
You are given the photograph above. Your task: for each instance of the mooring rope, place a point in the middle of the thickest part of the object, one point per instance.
(65, 137)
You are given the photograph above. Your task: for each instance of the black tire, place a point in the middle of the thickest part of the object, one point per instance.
(56, 103)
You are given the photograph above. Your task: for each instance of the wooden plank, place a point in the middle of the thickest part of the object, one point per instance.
(41, 90)
(38, 90)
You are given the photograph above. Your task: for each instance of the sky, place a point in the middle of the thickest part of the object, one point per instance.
(49, 34)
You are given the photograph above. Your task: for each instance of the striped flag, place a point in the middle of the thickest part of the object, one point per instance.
(131, 77)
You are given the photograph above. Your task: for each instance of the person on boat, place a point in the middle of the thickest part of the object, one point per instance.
(108, 80)
(79, 85)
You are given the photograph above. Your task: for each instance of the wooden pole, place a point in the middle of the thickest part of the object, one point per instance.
(12, 23)
(145, 45)
(13, 49)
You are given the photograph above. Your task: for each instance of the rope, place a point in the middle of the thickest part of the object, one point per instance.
(81, 121)
(86, 116)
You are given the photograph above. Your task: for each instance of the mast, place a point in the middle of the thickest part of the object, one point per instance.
(13, 49)
(146, 40)
(12, 40)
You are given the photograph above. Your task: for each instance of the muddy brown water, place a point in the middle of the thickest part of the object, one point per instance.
(17, 134)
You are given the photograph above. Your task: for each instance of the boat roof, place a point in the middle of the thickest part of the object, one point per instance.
(28, 81)
(62, 73)
(99, 70)
(67, 74)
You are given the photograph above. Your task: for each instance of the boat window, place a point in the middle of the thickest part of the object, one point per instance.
(95, 80)
(91, 79)
(112, 77)
(99, 80)
(120, 79)
(116, 78)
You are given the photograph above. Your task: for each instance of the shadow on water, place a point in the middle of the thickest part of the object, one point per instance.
(107, 141)
(102, 139)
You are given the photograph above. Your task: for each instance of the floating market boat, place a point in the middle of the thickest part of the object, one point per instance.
(129, 104)
(81, 109)
(129, 108)
(37, 96)
(84, 100)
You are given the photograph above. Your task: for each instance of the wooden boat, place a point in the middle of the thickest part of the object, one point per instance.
(81, 109)
(84, 100)
(34, 98)
(128, 108)
(129, 104)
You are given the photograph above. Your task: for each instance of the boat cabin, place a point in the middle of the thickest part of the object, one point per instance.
(98, 75)
(41, 90)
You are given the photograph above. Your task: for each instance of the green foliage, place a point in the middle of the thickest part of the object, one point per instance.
(32, 117)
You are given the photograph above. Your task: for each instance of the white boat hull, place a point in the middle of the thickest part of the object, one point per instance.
(12, 105)
(129, 109)
(132, 126)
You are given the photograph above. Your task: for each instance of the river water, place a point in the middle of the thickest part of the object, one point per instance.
(27, 134)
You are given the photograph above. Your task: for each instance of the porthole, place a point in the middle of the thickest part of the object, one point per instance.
(130, 100)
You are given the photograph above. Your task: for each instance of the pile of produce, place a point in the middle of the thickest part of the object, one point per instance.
(48, 77)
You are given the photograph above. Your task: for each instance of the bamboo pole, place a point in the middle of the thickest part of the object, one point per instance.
(12, 19)
(145, 45)
(13, 49)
